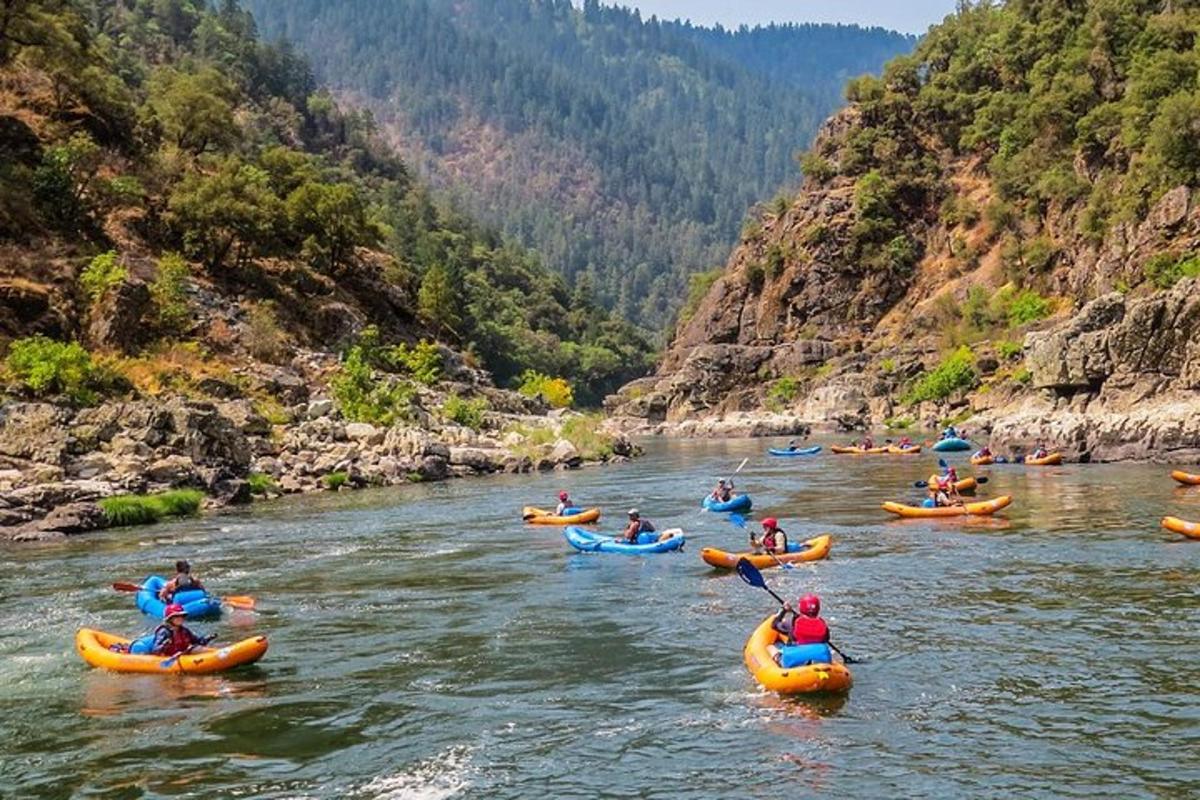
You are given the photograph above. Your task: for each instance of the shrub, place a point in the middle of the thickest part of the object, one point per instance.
(468, 413)
(169, 293)
(698, 286)
(1023, 375)
(783, 392)
(584, 432)
(957, 371)
(261, 483)
(1028, 306)
(101, 274)
(335, 480)
(1009, 349)
(887, 366)
(48, 367)
(363, 398)
(775, 260)
(265, 340)
(1166, 269)
(818, 168)
(423, 361)
(131, 509)
(898, 423)
(555, 391)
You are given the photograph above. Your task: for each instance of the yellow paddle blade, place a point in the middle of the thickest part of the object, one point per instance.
(240, 602)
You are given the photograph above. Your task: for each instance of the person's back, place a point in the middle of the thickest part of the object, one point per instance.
(636, 527)
(809, 628)
(564, 503)
(181, 581)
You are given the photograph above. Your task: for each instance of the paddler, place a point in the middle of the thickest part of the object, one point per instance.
(636, 527)
(805, 627)
(564, 503)
(1040, 451)
(173, 637)
(724, 491)
(774, 539)
(868, 443)
(183, 580)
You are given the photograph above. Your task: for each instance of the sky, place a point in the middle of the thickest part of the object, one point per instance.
(909, 16)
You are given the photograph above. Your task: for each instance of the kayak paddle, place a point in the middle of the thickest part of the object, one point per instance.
(740, 521)
(240, 602)
(168, 663)
(750, 574)
(982, 479)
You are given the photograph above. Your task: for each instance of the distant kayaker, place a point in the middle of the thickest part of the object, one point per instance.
(905, 443)
(944, 492)
(774, 539)
(172, 636)
(1040, 451)
(182, 581)
(724, 491)
(564, 503)
(805, 627)
(868, 443)
(983, 452)
(793, 445)
(636, 526)
(950, 432)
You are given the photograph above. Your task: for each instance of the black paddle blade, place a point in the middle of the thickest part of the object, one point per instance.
(942, 463)
(750, 574)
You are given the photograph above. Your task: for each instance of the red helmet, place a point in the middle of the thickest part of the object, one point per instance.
(809, 605)
(173, 610)
(563, 495)
(770, 522)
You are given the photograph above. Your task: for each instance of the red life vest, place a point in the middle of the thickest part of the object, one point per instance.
(180, 640)
(809, 630)
(768, 540)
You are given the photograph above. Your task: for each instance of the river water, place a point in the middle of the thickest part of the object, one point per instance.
(426, 644)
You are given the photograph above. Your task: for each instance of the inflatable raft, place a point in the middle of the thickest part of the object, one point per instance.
(970, 509)
(93, 647)
(914, 450)
(739, 502)
(197, 603)
(951, 445)
(1189, 529)
(783, 451)
(648, 543)
(1186, 478)
(983, 461)
(858, 451)
(807, 679)
(578, 516)
(1048, 461)
(814, 549)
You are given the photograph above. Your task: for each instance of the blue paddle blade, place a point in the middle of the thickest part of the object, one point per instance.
(738, 519)
(750, 574)
(942, 463)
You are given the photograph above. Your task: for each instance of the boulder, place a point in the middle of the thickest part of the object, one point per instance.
(364, 433)
(245, 417)
(34, 431)
(476, 458)
(322, 407)
(173, 470)
(117, 321)
(71, 519)
(565, 453)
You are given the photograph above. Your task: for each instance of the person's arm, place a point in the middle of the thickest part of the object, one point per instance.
(162, 638)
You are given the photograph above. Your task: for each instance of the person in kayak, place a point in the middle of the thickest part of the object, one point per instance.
(774, 539)
(724, 491)
(564, 503)
(983, 452)
(1040, 451)
(172, 636)
(793, 445)
(944, 492)
(950, 432)
(867, 443)
(183, 580)
(905, 443)
(636, 527)
(802, 627)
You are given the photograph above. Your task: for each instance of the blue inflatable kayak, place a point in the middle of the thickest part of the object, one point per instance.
(196, 602)
(739, 502)
(808, 451)
(648, 543)
(952, 444)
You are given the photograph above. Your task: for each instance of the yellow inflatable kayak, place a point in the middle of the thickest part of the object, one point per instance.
(808, 679)
(93, 647)
(1190, 529)
(983, 461)
(915, 450)
(965, 486)
(814, 549)
(858, 451)
(538, 516)
(1186, 478)
(970, 509)
(1049, 461)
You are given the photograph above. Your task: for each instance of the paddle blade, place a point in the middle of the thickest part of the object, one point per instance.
(942, 463)
(921, 484)
(982, 479)
(241, 602)
(739, 520)
(750, 574)
(126, 587)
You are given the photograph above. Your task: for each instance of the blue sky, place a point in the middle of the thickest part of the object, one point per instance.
(910, 16)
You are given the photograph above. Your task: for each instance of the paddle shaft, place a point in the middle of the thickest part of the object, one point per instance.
(750, 574)
(240, 602)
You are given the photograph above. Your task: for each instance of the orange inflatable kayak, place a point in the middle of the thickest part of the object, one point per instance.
(809, 679)
(965, 486)
(915, 450)
(1186, 478)
(983, 461)
(858, 451)
(1049, 461)
(93, 647)
(814, 549)
(1190, 529)
(979, 509)
(538, 516)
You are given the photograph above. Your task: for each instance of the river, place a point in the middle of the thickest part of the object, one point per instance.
(426, 644)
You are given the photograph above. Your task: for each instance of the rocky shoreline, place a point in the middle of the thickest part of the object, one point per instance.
(57, 463)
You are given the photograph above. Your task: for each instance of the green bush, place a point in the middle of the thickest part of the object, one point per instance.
(142, 509)
(48, 367)
(169, 291)
(818, 168)
(101, 274)
(1009, 349)
(698, 286)
(1028, 306)
(363, 398)
(956, 372)
(898, 423)
(584, 432)
(261, 483)
(468, 413)
(423, 361)
(783, 392)
(887, 366)
(335, 480)
(555, 391)
(1023, 375)
(1166, 269)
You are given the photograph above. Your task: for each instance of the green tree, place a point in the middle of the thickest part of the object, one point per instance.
(332, 220)
(194, 108)
(231, 209)
(438, 299)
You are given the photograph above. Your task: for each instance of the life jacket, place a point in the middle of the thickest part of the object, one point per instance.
(171, 640)
(809, 630)
(769, 541)
(645, 526)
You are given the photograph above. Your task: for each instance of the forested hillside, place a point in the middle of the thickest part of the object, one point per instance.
(1010, 208)
(160, 143)
(626, 151)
